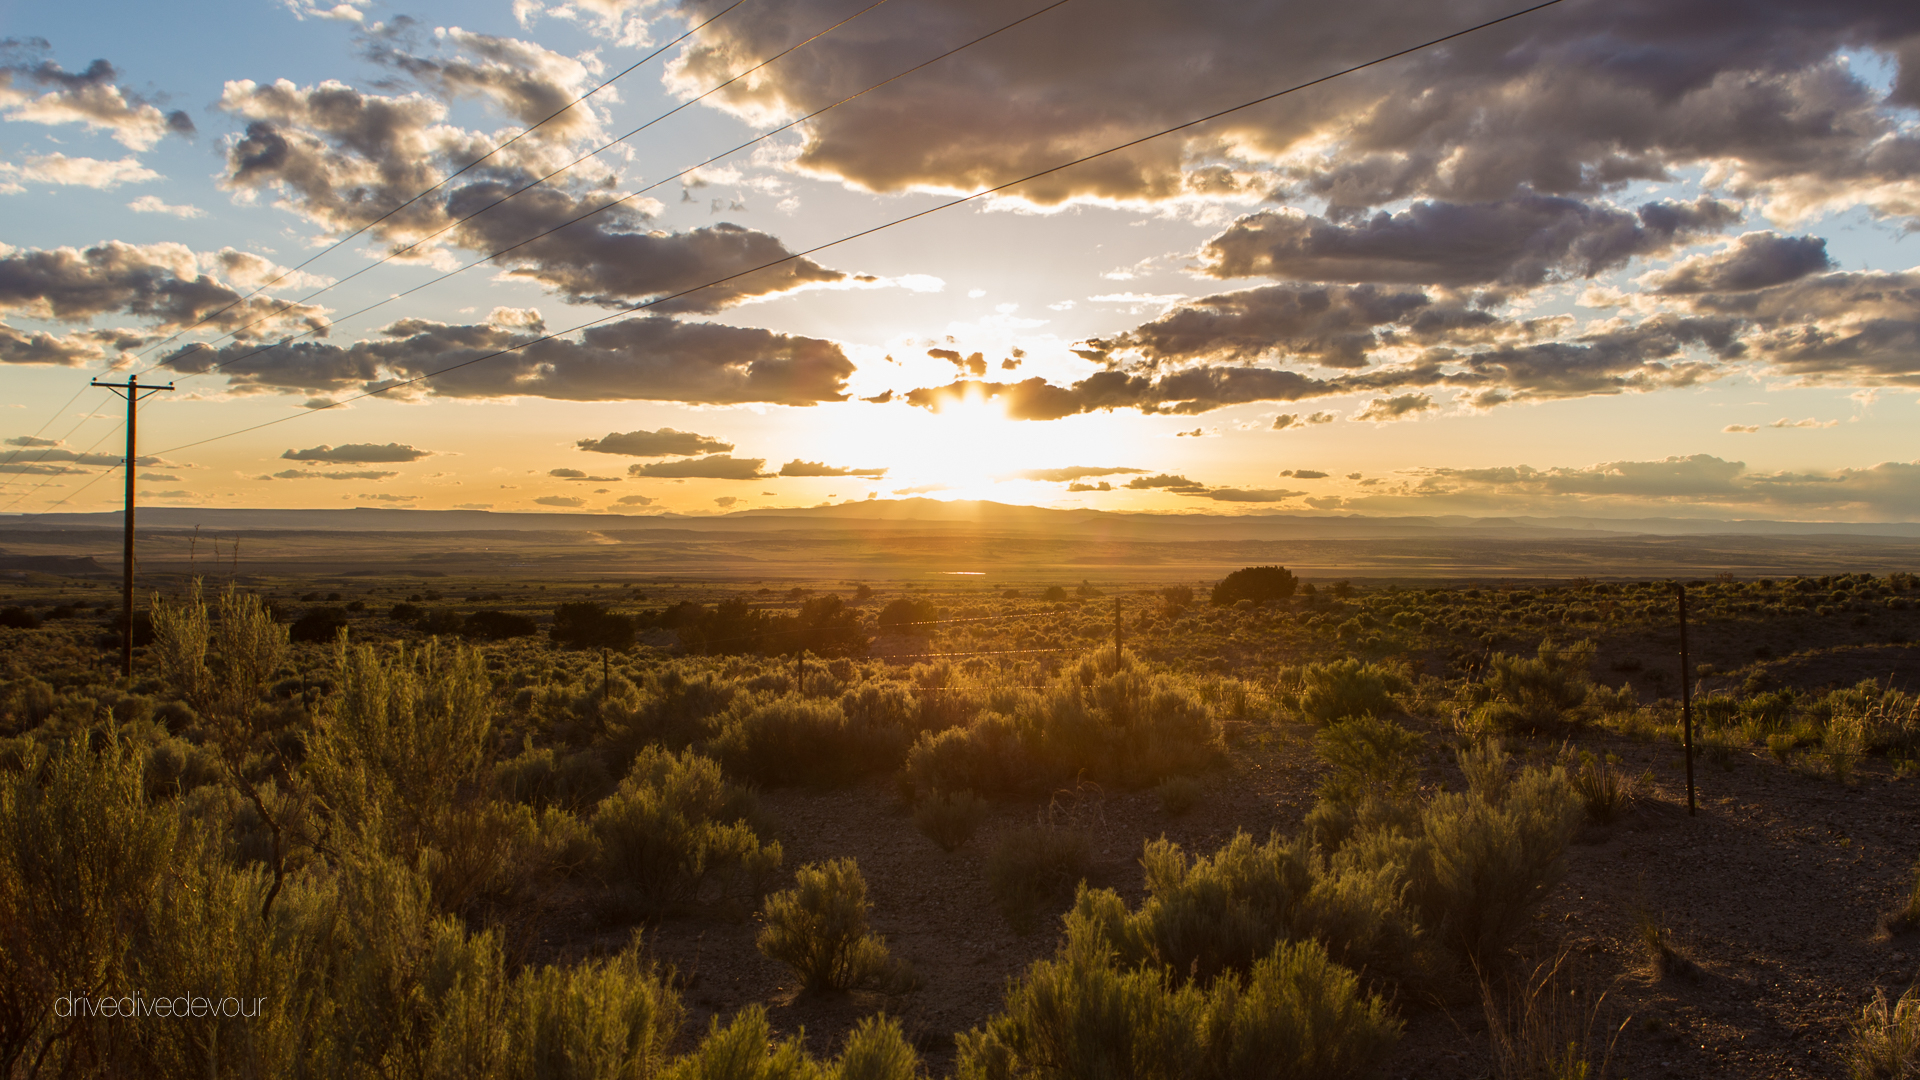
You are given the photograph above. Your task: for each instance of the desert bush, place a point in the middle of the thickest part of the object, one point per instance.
(615, 1017)
(1486, 861)
(797, 740)
(543, 777)
(674, 709)
(1369, 757)
(318, 625)
(1077, 1015)
(1886, 1038)
(907, 616)
(1259, 584)
(745, 1049)
(676, 825)
(819, 928)
(1344, 688)
(1032, 866)
(986, 755)
(1603, 788)
(1535, 694)
(498, 625)
(586, 625)
(949, 820)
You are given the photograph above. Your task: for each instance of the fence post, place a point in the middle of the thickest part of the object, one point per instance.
(1686, 696)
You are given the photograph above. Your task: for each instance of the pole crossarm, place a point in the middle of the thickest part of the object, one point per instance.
(134, 392)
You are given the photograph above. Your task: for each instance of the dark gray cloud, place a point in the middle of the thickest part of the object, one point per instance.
(1399, 407)
(1844, 328)
(1296, 421)
(1165, 481)
(663, 443)
(566, 502)
(1305, 474)
(343, 158)
(639, 359)
(711, 467)
(1517, 242)
(88, 97)
(1249, 495)
(1575, 100)
(358, 453)
(1101, 486)
(577, 475)
(1327, 325)
(796, 467)
(1755, 261)
(159, 283)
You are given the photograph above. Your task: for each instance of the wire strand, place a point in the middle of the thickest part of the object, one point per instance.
(960, 201)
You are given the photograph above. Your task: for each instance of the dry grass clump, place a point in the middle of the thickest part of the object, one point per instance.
(819, 928)
(1545, 1027)
(1664, 960)
(1604, 788)
(1886, 1038)
(1178, 795)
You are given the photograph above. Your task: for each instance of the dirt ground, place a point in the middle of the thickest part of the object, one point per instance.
(1770, 893)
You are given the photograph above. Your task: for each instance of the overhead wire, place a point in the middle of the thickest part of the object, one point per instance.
(663, 181)
(958, 201)
(442, 182)
(444, 229)
(523, 133)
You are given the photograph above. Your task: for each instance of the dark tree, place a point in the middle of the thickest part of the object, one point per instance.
(320, 624)
(586, 625)
(1054, 592)
(404, 612)
(823, 627)
(497, 625)
(18, 618)
(899, 616)
(1259, 584)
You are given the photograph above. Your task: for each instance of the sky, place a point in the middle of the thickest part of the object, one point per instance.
(1605, 259)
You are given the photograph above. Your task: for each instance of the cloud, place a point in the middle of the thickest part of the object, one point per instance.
(725, 501)
(1740, 429)
(161, 478)
(1252, 495)
(151, 204)
(31, 440)
(975, 364)
(358, 453)
(53, 450)
(473, 506)
(567, 501)
(65, 350)
(1572, 103)
(34, 468)
(331, 152)
(88, 97)
(647, 358)
(1072, 472)
(388, 498)
(358, 474)
(161, 283)
(711, 467)
(1179, 484)
(1755, 261)
(1521, 241)
(1305, 474)
(1381, 410)
(917, 489)
(1809, 422)
(576, 474)
(633, 500)
(1101, 486)
(1842, 328)
(665, 442)
(1296, 421)
(796, 467)
(78, 171)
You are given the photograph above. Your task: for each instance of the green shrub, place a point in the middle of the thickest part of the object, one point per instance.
(1369, 757)
(797, 740)
(1603, 788)
(819, 928)
(1486, 862)
(542, 778)
(615, 1017)
(745, 1049)
(1538, 693)
(1296, 1014)
(987, 755)
(949, 819)
(675, 826)
(1032, 866)
(1346, 688)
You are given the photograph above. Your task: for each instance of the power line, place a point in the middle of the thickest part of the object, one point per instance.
(48, 479)
(523, 133)
(960, 201)
(631, 195)
(443, 182)
(396, 253)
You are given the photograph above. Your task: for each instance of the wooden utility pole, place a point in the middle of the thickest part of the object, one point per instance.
(1686, 695)
(133, 392)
